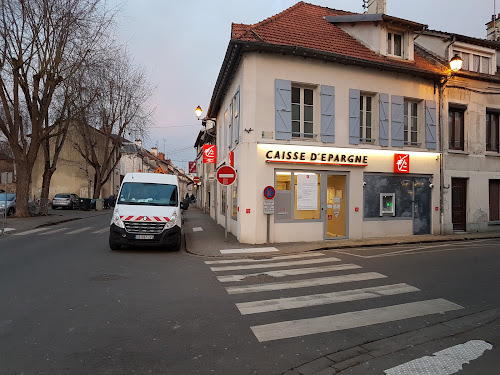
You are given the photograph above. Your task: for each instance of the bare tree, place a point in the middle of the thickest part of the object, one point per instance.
(42, 44)
(118, 107)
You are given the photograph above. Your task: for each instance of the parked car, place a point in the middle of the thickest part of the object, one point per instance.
(8, 204)
(70, 201)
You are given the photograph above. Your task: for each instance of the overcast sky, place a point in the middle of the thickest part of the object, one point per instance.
(181, 44)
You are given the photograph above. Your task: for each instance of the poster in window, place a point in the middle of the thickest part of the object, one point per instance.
(307, 191)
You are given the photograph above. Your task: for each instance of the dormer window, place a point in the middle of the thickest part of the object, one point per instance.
(395, 44)
(475, 58)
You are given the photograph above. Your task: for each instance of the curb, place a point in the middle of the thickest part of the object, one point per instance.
(342, 360)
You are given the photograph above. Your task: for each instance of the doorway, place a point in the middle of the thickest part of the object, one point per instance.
(459, 203)
(336, 206)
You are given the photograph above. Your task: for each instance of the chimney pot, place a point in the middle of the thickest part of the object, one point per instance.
(154, 151)
(138, 142)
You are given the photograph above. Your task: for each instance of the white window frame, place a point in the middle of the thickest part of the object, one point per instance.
(390, 43)
(407, 117)
(302, 105)
(363, 99)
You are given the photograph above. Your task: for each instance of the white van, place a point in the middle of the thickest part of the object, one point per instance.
(147, 212)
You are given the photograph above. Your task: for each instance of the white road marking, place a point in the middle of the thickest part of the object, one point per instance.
(249, 260)
(101, 231)
(53, 231)
(331, 323)
(290, 272)
(278, 264)
(444, 362)
(5, 230)
(253, 250)
(31, 231)
(305, 283)
(256, 307)
(197, 229)
(80, 230)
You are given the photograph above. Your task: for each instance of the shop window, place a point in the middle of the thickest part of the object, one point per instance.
(283, 198)
(234, 211)
(302, 112)
(492, 130)
(387, 204)
(456, 128)
(307, 196)
(411, 123)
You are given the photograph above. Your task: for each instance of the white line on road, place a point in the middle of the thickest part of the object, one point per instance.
(31, 231)
(53, 231)
(278, 264)
(249, 260)
(444, 362)
(101, 231)
(363, 318)
(256, 307)
(80, 230)
(290, 272)
(5, 230)
(251, 250)
(197, 229)
(305, 283)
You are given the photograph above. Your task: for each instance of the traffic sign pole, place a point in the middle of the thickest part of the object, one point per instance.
(226, 175)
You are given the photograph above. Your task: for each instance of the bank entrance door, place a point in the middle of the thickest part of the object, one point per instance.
(336, 206)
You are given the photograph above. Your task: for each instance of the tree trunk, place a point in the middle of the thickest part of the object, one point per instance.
(97, 184)
(44, 195)
(23, 183)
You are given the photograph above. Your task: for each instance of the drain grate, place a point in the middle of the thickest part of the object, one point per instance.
(106, 277)
(259, 279)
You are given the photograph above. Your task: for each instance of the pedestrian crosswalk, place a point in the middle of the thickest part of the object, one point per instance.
(48, 231)
(307, 279)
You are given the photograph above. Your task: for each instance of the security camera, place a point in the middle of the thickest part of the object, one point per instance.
(364, 183)
(431, 186)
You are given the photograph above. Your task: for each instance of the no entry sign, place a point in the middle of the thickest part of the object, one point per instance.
(226, 175)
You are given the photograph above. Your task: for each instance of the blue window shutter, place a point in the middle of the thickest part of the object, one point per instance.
(397, 121)
(430, 124)
(354, 97)
(236, 110)
(327, 114)
(383, 129)
(283, 109)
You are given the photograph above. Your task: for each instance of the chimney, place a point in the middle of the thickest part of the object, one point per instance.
(138, 142)
(154, 151)
(161, 156)
(492, 28)
(376, 6)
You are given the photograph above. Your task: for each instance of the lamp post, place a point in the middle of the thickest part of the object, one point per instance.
(455, 65)
(198, 112)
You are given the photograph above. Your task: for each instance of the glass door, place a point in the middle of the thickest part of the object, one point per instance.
(336, 206)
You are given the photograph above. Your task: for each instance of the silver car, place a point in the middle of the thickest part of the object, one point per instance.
(8, 204)
(70, 201)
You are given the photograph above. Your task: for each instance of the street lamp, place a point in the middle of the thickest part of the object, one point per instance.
(198, 112)
(456, 63)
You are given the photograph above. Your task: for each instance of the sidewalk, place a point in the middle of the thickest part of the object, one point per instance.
(206, 238)
(16, 225)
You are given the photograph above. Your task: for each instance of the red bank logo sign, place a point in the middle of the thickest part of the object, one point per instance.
(192, 167)
(209, 154)
(401, 163)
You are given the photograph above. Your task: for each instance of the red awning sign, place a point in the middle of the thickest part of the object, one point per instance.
(226, 175)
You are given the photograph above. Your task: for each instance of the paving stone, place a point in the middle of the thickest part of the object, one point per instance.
(346, 354)
(474, 320)
(327, 371)
(425, 334)
(314, 366)
(352, 362)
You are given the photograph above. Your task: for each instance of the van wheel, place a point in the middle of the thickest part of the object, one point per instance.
(177, 246)
(113, 245)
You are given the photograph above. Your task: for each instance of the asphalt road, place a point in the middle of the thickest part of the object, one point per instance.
(72, 306)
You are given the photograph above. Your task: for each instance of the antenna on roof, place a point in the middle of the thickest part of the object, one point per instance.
(365, 5)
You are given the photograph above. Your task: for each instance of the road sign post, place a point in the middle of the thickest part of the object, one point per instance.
(226, 175)
(269, 194)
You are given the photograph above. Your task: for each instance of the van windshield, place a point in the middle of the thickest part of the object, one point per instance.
(148, 194)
